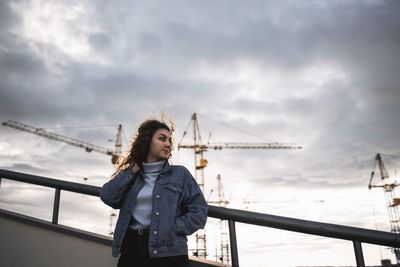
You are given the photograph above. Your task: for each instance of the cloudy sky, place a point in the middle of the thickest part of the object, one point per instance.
(321, 74)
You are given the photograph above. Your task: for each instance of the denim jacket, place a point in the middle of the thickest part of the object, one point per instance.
(178, 208)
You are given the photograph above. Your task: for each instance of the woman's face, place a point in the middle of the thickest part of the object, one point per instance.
(160, 147)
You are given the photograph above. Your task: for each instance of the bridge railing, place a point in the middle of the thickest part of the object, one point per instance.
(353, 234)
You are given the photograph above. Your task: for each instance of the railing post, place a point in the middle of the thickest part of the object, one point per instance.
(359, 253)
(56, 206)
(234, 248)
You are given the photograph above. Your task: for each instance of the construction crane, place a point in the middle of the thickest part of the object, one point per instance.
(388, 184)
(199, 148)
(200, 163)
(71, 141)
(224, 242)
(75, 142)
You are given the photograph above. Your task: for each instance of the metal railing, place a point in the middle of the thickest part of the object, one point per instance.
(354, 234)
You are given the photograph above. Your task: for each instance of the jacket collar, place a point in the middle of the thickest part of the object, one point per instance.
(166, 167)
(136, 171)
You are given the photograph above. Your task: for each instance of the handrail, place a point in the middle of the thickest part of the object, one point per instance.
(308, 227)
(355, 234)
(49, 182)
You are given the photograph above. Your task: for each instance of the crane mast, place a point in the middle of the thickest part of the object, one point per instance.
(223, 224)
(388, 184)
(200, 163)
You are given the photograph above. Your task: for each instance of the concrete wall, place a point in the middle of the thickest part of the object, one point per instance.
(27, 245)
(30, 242)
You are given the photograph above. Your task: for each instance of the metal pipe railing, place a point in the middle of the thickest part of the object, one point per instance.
(49, 182)
(307, 227)
(354, 234)
(56, 206)
(358, 252)
(233, 242)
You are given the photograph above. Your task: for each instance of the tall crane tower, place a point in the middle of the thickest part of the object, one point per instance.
(388, 184)
(78, 143)
(224, 255)
(200, 163)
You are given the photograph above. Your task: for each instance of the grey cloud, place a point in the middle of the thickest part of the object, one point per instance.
(100, 41)
(7, 17)
(298, 36)
(24, 89)
(24, 167)
(151, 47)
(313, 182)
(151, 52)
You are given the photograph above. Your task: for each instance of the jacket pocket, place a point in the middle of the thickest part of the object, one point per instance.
(173, 187)
(173, 192)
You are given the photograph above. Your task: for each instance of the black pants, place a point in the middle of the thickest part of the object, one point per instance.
(135, 253)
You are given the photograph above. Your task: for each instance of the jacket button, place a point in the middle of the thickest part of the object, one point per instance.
(157, 213)
(155, 232)
(158, 196)
(155, 251)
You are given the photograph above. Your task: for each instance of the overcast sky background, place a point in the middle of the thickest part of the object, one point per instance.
(322, 74)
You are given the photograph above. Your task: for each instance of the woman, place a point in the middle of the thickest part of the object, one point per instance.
(159, 204)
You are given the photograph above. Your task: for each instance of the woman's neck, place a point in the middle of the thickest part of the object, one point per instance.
(149, 167)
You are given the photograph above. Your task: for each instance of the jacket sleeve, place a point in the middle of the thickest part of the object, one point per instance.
(113, 192)
(195, 207)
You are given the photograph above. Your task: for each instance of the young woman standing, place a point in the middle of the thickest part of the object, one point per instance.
(160, 204)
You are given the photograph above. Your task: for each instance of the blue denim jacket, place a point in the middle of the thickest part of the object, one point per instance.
(178, 209)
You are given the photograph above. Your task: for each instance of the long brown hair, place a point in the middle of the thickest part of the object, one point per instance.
(139, 148)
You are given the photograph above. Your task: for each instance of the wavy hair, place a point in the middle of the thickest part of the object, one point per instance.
(139, 148)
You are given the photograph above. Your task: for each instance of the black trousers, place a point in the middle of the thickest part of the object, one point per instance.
(135, 253)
